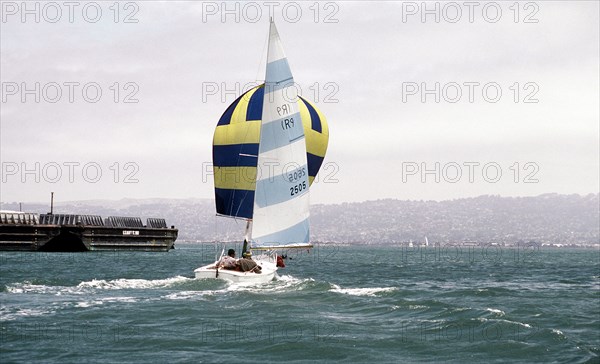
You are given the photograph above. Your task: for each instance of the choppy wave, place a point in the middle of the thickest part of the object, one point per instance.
(283, 283)
(27, 287)
(132, 283)
(483, 319)
(366, 291)
(496, 311)
(338, 312)
(7, 314)
(103, 300)
(86, 287)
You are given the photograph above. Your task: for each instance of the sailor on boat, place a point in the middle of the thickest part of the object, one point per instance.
(247, 264)
(228, 261)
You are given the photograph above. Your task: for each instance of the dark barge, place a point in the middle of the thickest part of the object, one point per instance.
(71, 233)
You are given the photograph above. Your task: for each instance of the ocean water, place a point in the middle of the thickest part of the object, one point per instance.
(338, 303)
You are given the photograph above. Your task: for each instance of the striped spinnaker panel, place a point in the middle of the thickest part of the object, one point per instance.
(235, 151)
(235, 146)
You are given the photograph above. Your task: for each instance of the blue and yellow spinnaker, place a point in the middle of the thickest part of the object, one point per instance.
(236, 144)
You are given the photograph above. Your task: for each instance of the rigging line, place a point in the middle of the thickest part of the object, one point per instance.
(262, 55)
(239, 206)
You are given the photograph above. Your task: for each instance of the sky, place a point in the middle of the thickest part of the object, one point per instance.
(425, 102)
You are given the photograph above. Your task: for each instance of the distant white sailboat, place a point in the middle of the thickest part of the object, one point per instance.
(271, 188)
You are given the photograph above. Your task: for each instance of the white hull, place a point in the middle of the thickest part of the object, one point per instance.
(267, 273)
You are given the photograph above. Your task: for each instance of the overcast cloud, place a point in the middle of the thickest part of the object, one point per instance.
(364, 65)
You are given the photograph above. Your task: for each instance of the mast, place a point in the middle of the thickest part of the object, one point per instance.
(247, 236)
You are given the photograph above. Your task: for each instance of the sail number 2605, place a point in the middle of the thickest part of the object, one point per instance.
(298, 188)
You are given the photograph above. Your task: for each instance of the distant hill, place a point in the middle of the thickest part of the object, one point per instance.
(549, 218)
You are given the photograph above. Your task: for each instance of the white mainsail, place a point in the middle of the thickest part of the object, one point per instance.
(281, 200)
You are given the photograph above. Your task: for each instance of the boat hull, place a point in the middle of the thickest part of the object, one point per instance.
(74, 233)
(27, 237)
(268, 272)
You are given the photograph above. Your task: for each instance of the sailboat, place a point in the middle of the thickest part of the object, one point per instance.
(267, 149)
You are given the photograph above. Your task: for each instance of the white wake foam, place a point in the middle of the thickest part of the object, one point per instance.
(187, 295)
(284, 283)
